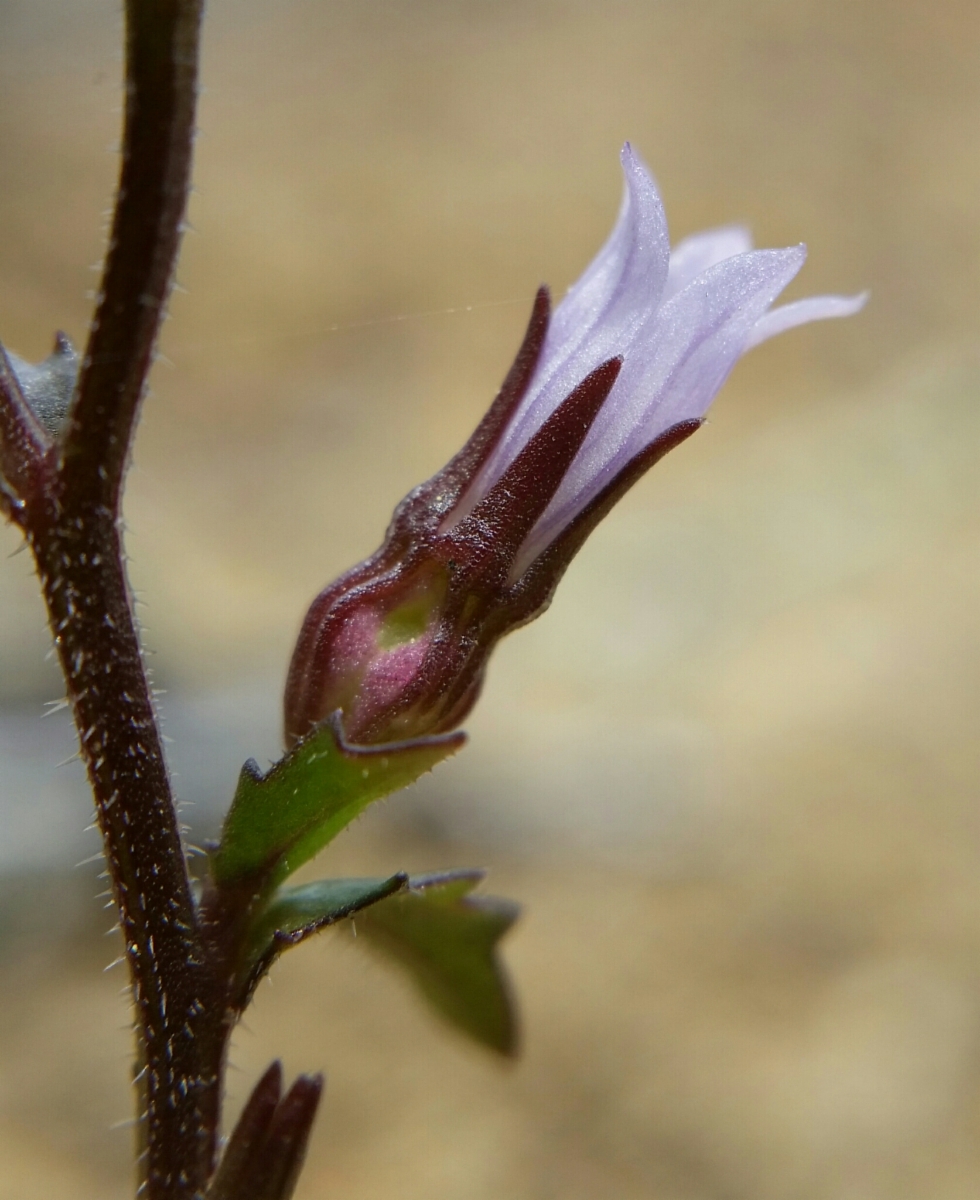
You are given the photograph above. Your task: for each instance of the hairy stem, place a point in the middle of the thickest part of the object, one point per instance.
(162, 45)
(177, 998)
(69, 497)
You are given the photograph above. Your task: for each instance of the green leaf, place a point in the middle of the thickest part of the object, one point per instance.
(296, 913)
(446, 939)
(280, 820)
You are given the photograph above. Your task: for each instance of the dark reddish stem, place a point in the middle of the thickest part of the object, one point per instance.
(65, 495)
(177, 998)
(162, 50)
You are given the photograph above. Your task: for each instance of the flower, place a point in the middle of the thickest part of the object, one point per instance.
(622, 371)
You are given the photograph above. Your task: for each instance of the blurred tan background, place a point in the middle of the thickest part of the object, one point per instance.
(732, 776)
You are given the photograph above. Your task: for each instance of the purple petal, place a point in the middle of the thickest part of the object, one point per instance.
(636, 254)
(598, 317)
(673, 367)
(813, 308)
(696, 254)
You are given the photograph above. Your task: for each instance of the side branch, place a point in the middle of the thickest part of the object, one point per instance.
(161, 90)
(23, 443)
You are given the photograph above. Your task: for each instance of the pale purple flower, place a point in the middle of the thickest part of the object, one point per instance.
(622, 372)
(680, 319)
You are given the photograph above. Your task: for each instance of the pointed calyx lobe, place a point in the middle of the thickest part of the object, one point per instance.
(265, 1153)
(399, 644)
